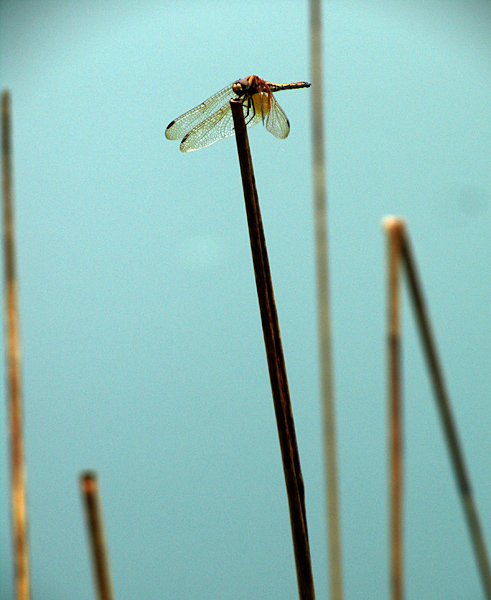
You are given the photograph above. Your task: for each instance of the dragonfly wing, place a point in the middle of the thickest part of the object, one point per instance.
(277, 122)
(256, 110)
(189, 120)
(216, 127)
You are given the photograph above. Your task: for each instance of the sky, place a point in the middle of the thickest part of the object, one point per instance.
(142, 351)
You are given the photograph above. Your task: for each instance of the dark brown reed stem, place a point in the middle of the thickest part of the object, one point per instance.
(18, 470)
(445, 411)
(276, 362)
(90, 495)
(323, 302)
(394, 232)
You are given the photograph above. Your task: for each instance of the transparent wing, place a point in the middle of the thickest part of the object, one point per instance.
(216, 127)
(277, 122)
(189, 120)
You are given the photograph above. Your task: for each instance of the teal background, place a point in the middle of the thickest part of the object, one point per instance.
(143, 355)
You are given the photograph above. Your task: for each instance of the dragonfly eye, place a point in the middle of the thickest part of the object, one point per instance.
(240, 87)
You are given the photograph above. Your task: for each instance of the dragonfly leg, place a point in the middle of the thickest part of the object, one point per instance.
(250, 108)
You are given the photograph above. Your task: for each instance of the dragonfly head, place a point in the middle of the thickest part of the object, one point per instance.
(240, 87)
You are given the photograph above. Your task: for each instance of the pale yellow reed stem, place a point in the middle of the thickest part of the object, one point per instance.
(18, 469)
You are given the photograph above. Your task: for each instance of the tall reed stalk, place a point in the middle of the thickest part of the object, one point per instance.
(394, 230)
(13, 350)
(323, 301)
(276, 362)
(89, 486)
(444, 408)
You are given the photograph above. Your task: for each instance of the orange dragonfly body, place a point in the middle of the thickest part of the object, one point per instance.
(212, 120)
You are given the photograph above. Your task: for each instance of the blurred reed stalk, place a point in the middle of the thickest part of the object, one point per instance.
(276, 362)
(323, 302)
(394, 232)
(18, 469)
(445, 411)
(89, 486)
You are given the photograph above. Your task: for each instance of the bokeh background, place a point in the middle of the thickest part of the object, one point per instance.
(143, 355)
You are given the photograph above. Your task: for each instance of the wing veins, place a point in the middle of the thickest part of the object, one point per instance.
(190, 119)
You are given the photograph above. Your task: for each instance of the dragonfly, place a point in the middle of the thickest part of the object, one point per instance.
(212, 120)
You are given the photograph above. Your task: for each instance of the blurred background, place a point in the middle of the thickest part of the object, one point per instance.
(143, 355)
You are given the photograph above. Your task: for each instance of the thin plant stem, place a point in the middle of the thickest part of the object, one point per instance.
(90, 495)
(323, 302)
(276, 362)
(394, 231)
(18, 470)
(446, 416)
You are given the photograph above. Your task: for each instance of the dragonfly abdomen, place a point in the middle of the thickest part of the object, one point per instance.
(277, 87)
